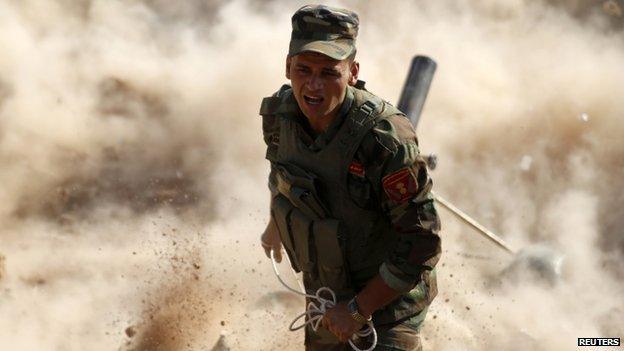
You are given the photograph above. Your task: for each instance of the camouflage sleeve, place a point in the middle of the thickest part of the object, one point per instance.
(402, 186)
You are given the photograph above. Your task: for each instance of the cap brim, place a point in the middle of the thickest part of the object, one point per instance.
(337, 49)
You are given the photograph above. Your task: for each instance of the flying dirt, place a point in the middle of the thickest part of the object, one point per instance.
(134, 184)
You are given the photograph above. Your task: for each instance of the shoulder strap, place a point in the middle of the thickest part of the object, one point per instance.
(362, 120)
(275, 110)
(367, 111)
(359, 122)
(274, 104)
(269, 105)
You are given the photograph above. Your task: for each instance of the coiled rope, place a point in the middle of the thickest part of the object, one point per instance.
(316, 309)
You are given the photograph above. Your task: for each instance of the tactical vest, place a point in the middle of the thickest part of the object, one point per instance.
(327, 236)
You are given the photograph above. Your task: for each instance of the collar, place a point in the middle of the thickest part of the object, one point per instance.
(325, 138)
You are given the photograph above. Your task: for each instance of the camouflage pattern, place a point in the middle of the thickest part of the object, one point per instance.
(390, 149)
(388, 176)
(327, 30)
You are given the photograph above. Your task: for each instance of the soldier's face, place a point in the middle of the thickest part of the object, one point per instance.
(320, 83)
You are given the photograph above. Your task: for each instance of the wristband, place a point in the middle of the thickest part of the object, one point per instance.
(355, 312)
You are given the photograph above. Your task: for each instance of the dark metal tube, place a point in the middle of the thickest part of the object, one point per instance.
(416, 87)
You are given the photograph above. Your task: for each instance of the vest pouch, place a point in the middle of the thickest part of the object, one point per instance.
(331, 265)
(299, 187)
(307, 202)
(300, 226)
(292, 175)
(281, 211)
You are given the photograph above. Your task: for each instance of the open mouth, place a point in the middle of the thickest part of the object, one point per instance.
(313, 100)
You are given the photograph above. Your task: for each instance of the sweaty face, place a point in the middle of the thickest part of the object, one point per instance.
(319, 83)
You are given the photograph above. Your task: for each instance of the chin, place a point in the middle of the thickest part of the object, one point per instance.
(316, 114)
(320, 115)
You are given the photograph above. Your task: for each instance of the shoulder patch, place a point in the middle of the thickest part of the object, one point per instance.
(400, 186)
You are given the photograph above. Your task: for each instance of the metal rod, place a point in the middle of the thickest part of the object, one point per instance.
(411, 102)
(473, 223)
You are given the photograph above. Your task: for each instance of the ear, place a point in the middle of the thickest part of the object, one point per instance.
(354, 70)
(288, 62)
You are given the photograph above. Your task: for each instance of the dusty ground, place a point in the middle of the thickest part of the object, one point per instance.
(133, 180)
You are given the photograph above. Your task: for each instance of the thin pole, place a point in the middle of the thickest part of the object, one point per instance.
(473, 223)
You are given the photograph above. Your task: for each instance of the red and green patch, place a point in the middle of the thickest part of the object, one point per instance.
(400, 186)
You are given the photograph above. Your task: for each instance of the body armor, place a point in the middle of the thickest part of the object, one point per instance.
(328, 237)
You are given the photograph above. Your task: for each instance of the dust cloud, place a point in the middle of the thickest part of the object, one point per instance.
(134, 184)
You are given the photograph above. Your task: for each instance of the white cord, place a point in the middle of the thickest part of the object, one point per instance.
(314, 313)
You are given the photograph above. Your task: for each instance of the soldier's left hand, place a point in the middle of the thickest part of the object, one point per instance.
(339, 321)
(271, 241)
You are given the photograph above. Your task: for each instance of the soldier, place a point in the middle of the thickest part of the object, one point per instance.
(350, 192)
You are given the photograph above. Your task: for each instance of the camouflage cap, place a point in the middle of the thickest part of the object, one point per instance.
(327, 30)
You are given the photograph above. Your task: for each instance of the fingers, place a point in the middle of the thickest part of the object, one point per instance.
(277, 253)
(267, 251)
(344, 335)
(267, 248)
(339, 334)
(328, 323)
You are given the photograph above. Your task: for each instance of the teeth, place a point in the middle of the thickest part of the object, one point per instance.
(313, 100)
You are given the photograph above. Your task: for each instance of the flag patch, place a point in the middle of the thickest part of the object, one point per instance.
(356, 168)
(400, 186)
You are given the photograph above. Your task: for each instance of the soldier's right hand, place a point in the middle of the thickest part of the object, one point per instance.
(270, 240)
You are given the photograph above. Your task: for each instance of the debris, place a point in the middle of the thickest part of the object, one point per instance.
(584, 117)
(537, 263)
(432, 161)
(221, 344)
(541, 262)
(526, 162)
(130, 331)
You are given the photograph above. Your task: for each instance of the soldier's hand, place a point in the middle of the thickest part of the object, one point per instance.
(339, 321)
(270, 240)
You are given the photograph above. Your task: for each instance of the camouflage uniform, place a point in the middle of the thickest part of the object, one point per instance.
(354, 201)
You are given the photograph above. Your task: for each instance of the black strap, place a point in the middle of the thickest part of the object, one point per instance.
(364, 113)
(361, 117)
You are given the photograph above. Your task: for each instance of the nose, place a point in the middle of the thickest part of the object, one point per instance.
(315, 83)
